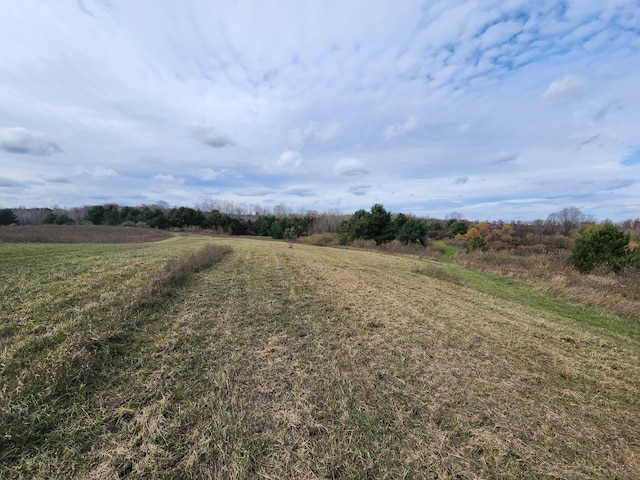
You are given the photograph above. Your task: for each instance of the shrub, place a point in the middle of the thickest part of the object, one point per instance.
(477, 243)
(457, 227)
(606, 245)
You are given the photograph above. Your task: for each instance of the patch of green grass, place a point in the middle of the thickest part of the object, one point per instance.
(449, 251)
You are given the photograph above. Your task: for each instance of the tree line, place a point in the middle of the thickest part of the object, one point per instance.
(591, 244)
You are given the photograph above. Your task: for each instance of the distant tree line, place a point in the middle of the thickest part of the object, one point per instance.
(590, 244)
(194, 218)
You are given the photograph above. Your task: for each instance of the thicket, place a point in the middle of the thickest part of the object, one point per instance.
(279, 227)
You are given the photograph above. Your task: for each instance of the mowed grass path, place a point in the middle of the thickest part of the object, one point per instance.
(312, 362)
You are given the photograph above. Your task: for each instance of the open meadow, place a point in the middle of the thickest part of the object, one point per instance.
(200, 357)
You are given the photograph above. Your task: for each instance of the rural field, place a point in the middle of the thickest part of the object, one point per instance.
(200, 357)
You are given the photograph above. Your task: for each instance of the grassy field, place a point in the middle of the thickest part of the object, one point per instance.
(303, 362)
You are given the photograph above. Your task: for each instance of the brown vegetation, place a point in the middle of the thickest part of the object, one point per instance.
(79, 234)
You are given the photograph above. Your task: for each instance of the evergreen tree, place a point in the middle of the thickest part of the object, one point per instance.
(606, 245)
(7, 217)
(413, 231)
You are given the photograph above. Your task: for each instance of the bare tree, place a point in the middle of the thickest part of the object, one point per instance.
(454, 216)
(566, 220)
(281, 210)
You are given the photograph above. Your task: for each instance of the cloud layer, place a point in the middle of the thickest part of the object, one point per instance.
(494, 109)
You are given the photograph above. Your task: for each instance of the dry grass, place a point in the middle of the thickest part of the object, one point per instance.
(431, 251)
(337, 363)
(57, 342)
(322, 239)
(548, 270)
(435, 271)
(80, 234)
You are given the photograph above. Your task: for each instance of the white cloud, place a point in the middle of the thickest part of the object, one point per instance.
(568, 86)
(97, 173)
(289, 162)
(401, 128)
(350, 167)
(313, 132)
(207, 174)
(169, 179)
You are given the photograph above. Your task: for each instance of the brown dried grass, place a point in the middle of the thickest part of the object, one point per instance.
(80, 234)
(338, 363)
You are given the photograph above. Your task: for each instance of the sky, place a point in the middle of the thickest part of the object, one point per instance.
(493, 109)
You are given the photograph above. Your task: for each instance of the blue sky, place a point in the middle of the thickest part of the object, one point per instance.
(495, 109)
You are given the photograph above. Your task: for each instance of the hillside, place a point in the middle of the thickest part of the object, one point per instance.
(302, 362)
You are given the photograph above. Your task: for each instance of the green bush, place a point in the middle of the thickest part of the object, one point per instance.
(457, 227)
(477, 243)
(606, 245)
(53, 219)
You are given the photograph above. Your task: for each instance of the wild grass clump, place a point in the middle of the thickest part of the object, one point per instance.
(619, 293)
(176, 271)
(521, 263)
(80, 234)
(434, 271)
